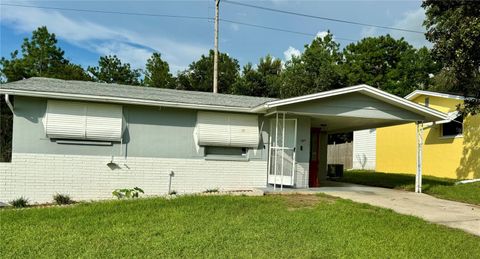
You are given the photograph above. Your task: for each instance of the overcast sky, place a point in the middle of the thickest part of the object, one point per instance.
(87, 36)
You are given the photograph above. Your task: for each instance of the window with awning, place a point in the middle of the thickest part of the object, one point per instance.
(83, 121)
(227, 130)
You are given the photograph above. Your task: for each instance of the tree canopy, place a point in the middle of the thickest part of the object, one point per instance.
(40, 57)
(110, 69)
(157, 73)
(315, 70)
(454, 29)
(262, 81)
(388, 64)
(199, 75)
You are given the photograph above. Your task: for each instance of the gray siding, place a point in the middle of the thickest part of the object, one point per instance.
(352, 105)
(151, 132)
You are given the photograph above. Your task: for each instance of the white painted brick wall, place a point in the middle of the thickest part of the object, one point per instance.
(39, 176)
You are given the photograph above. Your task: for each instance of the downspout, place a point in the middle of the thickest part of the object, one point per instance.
(418, 176)
(7, 101)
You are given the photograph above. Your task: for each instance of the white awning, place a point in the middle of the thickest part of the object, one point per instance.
(82, 120)
(227, 129)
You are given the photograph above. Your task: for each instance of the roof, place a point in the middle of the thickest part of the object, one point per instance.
(117, 93)
(417, 93)
(364, 89)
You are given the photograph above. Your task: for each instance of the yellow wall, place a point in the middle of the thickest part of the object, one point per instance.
(442, 157)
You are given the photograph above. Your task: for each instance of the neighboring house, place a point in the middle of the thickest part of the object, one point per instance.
(364, 152)
(87, 139)
(451, 147)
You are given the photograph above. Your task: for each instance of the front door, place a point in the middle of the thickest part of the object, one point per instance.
(283, 135)
(314, 157)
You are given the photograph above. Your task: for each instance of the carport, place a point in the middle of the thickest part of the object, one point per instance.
(299, 128)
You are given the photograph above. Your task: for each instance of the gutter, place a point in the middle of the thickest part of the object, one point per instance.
(9, 104)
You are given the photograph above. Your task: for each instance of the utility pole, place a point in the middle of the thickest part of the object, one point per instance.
(215, 51)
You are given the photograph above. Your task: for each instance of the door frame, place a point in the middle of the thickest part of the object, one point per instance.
(276, 179)
(313, 178)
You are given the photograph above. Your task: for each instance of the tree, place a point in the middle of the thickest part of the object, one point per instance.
(263, 81)
(157, 73)
(315, 70)
(41, 58)
(453, 26)
(199, 75)
(388, 64)
(111, 70)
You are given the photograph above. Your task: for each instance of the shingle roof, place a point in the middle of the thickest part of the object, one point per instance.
(48, 85)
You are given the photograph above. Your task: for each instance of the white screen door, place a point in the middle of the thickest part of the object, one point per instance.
(282, 151)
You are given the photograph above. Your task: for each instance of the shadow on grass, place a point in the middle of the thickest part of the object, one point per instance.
(393, 181)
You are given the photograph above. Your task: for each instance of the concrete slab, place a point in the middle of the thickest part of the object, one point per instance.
(449, 213)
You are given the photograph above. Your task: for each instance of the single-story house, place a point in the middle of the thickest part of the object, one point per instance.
(86, 139)
(451, 147)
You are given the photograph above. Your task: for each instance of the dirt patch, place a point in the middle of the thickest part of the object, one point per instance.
(306, 201)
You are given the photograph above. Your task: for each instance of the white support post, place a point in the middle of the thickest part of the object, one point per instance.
(418, 177)
(283, 151)
(276, 150)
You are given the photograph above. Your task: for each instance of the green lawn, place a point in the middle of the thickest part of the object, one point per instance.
(440, 187)
(225, 226)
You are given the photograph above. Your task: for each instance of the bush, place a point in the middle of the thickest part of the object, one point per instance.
(127, 193)
(21, 202)
(211, 190)
(62, 199)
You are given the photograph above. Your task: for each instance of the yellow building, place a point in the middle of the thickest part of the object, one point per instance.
(451, 148)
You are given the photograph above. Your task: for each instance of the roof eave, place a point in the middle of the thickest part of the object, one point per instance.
(417, 93)
(80, 97)
(427, 112)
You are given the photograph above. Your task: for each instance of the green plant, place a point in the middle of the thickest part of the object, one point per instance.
(62, 199)
(211, 190)
(21, 202)
(127, 193)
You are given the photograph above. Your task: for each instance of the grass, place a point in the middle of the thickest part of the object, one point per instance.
(440, 187)
(275, 226)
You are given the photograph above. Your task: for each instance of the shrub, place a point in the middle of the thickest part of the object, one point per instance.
(127, 193)
(62, 199)
(21, 202)
(211, 190)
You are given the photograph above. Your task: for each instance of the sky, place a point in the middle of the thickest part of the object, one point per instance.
(85, 36)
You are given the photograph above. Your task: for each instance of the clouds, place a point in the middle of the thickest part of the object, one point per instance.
(131, 46)
(412, 20)
(290, 52)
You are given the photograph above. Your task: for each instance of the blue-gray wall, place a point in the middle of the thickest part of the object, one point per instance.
(151, 132)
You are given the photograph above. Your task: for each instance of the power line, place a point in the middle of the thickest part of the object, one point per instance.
(319, 17)
(112, 12)
(280, 29)
(174, 16)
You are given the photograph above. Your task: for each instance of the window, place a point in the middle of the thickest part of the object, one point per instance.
(83, 121)
(427, 101)
(226, 153)
(227, 130)
(453, 128)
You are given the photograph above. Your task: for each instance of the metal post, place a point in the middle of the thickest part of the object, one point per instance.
(418, 177)
(283, 151)
(276, 150)
(215, 51)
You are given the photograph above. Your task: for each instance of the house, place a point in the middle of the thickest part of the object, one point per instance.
(86, 139)
(451, 147)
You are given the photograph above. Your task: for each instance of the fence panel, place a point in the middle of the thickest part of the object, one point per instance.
(341, 154)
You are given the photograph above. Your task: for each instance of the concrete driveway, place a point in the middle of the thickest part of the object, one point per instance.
(450, 213)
